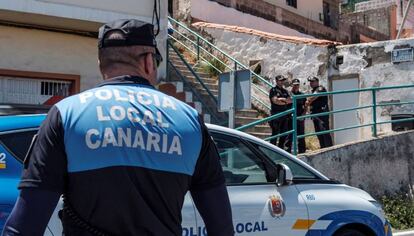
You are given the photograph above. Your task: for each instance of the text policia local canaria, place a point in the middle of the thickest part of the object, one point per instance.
(129, 137)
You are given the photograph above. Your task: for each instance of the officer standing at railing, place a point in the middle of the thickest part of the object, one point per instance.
(300, 110)
(319, 104)
(281, 101)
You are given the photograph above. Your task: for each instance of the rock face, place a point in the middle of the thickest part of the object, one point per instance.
(290, 56)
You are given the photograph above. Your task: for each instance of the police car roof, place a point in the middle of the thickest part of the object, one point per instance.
(16, 122)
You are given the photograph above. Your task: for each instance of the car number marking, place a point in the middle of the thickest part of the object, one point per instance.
(310, 197)
(2, 160)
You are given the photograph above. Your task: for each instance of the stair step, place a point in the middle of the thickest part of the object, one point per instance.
(258, 129)
(247, 113)
(208, 85)
(214, 92)
(245, 119)
(205, 80)
(260, 135)
(188, 73)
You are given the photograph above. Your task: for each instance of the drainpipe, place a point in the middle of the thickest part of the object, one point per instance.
(404, 18)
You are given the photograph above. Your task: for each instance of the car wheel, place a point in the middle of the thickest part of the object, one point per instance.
(349, 232)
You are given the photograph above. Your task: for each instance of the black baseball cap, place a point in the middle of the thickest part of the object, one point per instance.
(295, 81)
(280, 78)
(136, 33)
(313, 78)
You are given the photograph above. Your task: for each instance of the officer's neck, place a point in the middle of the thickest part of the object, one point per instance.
(122, 71)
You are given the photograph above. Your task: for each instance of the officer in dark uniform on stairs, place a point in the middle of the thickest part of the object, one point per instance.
(123, 154)
(281, 101)
(319, 104)
(300, 110)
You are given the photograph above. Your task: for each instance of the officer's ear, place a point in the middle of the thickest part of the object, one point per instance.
(149, 64)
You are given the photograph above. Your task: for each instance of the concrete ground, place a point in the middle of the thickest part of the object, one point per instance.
(404, 233)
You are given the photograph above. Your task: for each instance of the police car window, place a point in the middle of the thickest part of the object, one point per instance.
(240, 164)
(298, 171)
(18, 142)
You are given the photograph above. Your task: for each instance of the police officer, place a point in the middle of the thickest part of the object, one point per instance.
(300, 110)
(123, 154)
(319, 104)
(281, 101)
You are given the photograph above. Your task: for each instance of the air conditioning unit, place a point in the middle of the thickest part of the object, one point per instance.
(344, 2)
(402, 126)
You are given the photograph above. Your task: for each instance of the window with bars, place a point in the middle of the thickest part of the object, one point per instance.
(32, 91)
(55, 88)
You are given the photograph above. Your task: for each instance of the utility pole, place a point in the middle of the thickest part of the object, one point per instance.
(404, 18)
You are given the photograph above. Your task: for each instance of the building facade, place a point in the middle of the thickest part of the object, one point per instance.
(49, 47)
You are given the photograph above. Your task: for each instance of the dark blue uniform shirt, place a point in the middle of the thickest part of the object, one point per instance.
(125, 155)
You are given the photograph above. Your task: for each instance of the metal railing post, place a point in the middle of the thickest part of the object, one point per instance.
(374, 113)
(294, 127)
(167, 74)
(198, 48)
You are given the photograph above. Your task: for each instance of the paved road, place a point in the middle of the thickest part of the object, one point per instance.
(404, 233)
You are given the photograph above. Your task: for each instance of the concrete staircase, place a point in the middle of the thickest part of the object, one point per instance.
(177, 88)
(243, 117)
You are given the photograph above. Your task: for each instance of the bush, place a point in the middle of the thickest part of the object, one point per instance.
(399, 210)
(209, 69)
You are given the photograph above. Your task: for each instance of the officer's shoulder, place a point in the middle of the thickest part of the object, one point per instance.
(180, 103)
(71, 100)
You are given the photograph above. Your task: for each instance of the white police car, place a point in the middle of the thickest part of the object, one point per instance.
(271, 191)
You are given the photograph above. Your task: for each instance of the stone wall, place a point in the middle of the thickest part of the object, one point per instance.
(371, 62)
(379, 166)
(278, 55)
(379, 19)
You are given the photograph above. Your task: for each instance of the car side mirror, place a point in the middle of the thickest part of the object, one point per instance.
(284, 175)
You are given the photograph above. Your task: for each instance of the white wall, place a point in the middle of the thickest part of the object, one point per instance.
(213, 12)
(91, 10)
(379, 75)
(306, 8)
(279, 57)
(95, 11)
(295, 60)
(43, 51)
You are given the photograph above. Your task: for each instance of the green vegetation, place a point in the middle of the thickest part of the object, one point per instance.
(399, 210)
(209, 68)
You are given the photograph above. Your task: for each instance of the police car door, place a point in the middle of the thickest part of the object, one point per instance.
(259, 207)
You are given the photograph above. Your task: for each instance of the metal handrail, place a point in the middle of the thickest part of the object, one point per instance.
(202, 58)
(193, 72)
(195, 44)
(270, 118)
(354, 91)
(198, 47)
(216, 48)
(333, 112)
(211, 112)
(373, 106)
(261, 102)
